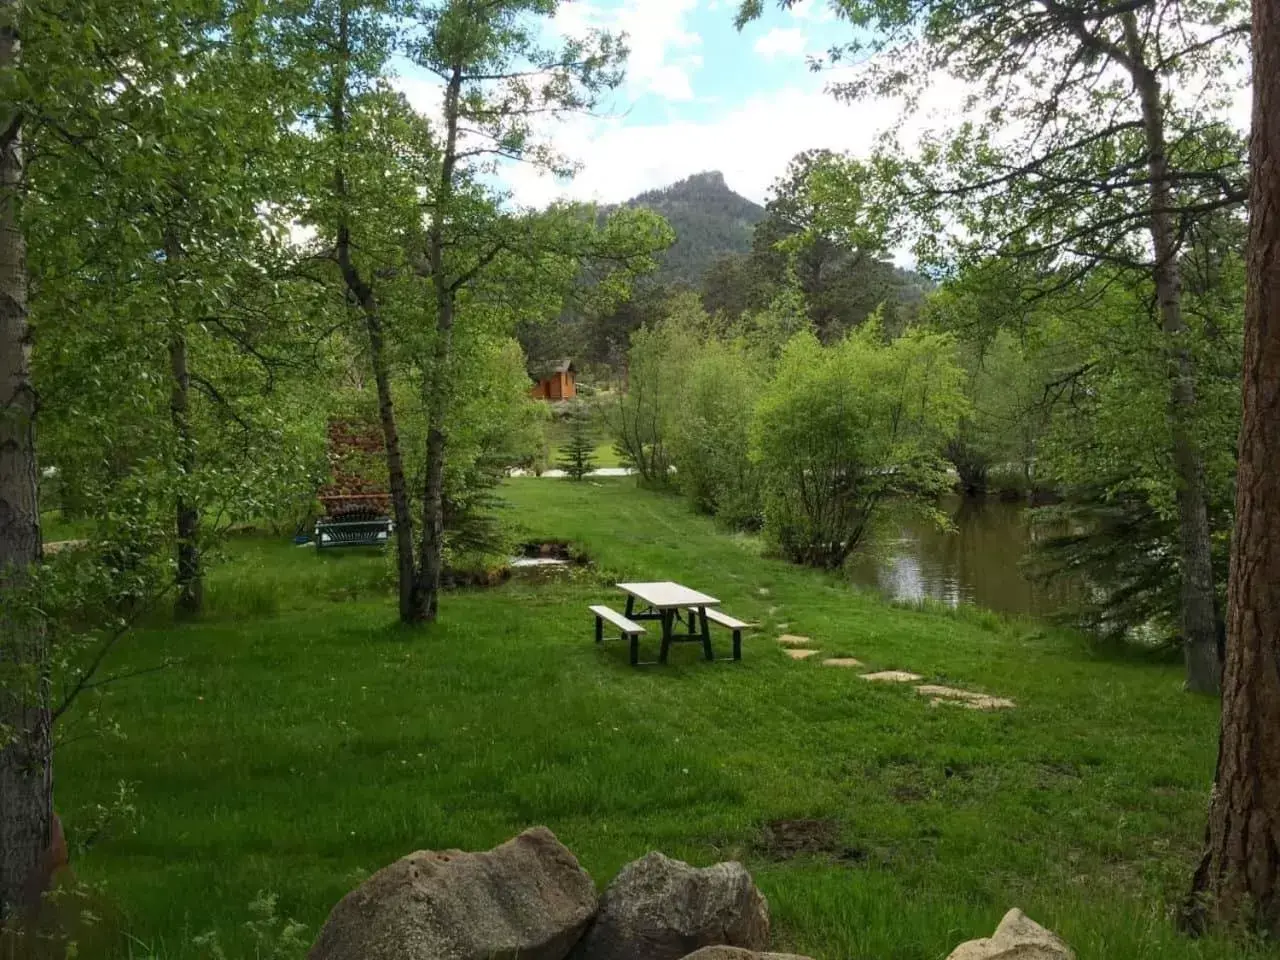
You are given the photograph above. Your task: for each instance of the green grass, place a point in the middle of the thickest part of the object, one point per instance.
(54, 527)
(558, 435)
(305, 741)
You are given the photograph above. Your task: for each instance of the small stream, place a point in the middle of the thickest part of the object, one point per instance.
(976, 562)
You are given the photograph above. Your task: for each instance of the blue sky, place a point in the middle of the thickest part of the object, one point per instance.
(699, 95)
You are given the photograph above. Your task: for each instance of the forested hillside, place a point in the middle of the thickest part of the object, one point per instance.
(709, 220)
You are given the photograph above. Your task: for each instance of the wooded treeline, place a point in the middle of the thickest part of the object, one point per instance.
(222, 225)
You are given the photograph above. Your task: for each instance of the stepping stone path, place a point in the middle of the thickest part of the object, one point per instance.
(796, 654)
(963, 698)
(797, 648)
(790, 640)
(891, 676)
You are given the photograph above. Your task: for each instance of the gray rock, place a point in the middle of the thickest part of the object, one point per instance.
(661, 909)
(737, 953)
(1017, 938)
(527, 898)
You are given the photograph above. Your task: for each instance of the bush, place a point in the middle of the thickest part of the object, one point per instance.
(840, 429)
(711, 434)
(641, 418)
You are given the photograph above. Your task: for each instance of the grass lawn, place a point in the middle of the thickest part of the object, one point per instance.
(305, 741)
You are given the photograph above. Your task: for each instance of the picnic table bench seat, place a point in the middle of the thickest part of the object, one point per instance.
(732, 624)
(629, 628)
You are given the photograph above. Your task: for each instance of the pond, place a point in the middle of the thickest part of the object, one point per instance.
(977, 561)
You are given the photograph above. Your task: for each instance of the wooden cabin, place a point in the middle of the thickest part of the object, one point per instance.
(556, 385)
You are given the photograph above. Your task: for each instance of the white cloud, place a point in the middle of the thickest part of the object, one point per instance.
(750, 143)
(778, 41)
(663, 51)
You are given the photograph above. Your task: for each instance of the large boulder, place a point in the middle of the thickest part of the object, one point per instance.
(661, 909)
(1017, 938)
(527, 898)
(737, 953)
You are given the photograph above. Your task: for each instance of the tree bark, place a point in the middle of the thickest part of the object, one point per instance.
(1239, 877)
(26, 771)
(405, 566)
(362, 292)
(436, 388)
(1199, 608)
(190, 577)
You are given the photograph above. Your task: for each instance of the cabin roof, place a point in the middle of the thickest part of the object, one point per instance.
(540, 371)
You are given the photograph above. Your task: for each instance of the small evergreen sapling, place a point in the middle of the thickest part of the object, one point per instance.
(577, 455)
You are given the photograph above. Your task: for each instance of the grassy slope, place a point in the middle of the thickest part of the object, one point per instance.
(306, 742)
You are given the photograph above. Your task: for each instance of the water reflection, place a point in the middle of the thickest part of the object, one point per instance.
(975, 562)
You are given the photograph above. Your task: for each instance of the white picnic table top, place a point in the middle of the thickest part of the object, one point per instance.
(666, 595)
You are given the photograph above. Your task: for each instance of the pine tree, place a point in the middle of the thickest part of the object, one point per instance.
(577, 455)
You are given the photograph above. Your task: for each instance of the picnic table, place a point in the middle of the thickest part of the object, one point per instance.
(671, 603)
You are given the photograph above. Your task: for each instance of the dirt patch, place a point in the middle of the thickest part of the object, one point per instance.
(841, 662)
(785, 839)
(891, 676)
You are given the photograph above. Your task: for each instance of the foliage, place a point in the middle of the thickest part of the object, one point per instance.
(273, 937)
(1107, 445)
(840, 429)
(641, 418)
(577, 456)
(1072, 386)
(710, 436)
(1023, 165)
(840, 272)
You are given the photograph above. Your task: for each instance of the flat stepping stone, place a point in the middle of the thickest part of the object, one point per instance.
(791, 640)
(797, 654)
(891, 676)
(963, 698)
(841, 662)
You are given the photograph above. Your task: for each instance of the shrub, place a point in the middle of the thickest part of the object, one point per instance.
(840, 429)
(711, 434)
(642, 417)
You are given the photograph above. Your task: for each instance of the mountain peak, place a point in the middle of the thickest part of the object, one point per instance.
(709, 179)
(709, 219)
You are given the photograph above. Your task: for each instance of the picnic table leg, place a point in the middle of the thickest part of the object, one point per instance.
(706, 635)
(599, 629)
(631, 605)
(667, 617)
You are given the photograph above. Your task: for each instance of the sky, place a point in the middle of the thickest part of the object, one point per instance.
(699, 95)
